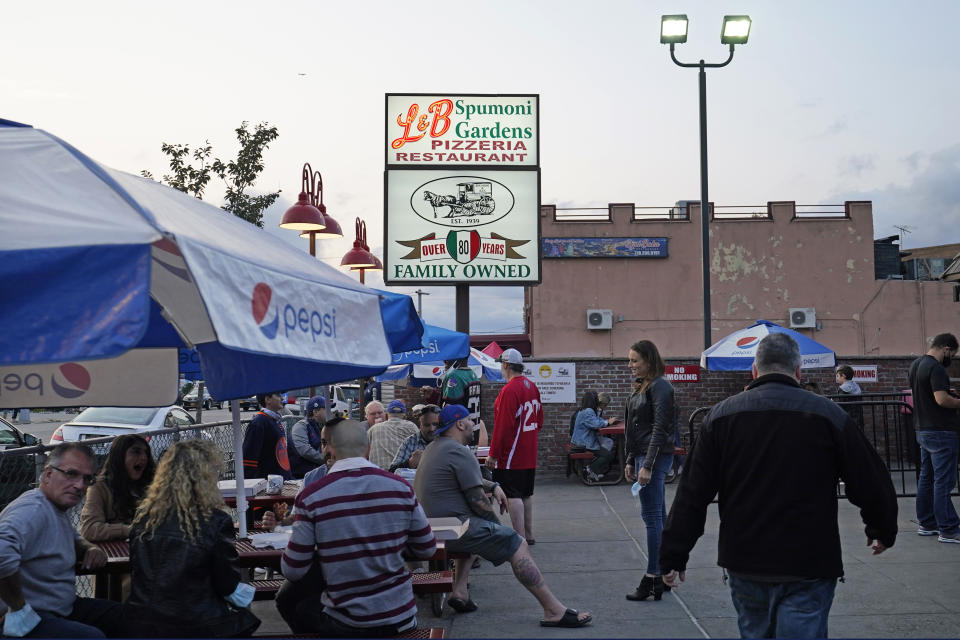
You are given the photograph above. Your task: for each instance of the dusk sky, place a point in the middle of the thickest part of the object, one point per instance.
(829, 101)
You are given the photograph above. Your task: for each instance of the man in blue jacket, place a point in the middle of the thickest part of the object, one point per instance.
(773, 455)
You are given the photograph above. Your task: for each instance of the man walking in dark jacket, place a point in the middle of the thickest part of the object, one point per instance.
(774, 455)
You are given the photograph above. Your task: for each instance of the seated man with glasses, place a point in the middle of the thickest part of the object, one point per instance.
(39, 552)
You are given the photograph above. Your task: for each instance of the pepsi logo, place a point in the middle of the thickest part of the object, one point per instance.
(268, 309)
(262, 293)
(76, 380)
(748, 341)
(437, 371)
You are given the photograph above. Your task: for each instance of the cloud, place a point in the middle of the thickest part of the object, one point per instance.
(913, 160)
(856, 165)
(930, 202)
(839, 126)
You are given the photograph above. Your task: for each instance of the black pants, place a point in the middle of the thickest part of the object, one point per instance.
(291, 594)
(312, 613)
(601, 462)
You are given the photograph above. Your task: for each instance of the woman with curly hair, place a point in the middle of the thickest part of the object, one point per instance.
(650, 424)
(182, 552)
(122, 483)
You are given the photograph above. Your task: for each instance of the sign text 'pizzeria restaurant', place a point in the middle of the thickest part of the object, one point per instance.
(462, 189)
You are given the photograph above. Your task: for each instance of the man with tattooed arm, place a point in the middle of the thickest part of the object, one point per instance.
(448, 483)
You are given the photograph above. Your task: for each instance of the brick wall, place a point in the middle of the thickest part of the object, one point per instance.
(611, 375)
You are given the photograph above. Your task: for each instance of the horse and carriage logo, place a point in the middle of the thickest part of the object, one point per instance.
(462, 200)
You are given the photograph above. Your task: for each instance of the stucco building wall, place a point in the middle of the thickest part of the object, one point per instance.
(760, 268)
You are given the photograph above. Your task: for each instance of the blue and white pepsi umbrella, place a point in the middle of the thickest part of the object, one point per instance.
(737, 351)
(106, 274)
(429, 372)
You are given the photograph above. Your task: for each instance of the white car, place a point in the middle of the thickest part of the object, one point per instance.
(190, 399)
(97, 422)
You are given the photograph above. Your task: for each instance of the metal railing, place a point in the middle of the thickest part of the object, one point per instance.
(888, 426)
(20, 469)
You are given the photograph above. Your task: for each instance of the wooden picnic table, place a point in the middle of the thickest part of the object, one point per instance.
(249, 556)
(617, 431)
(288, 494)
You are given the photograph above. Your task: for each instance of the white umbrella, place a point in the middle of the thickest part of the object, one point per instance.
(737, 351)
(105, 274)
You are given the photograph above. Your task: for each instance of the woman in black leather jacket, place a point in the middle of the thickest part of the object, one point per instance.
(183, 582)
(650, 424)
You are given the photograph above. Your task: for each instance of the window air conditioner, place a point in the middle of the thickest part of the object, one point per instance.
(599, 319)
(805, 318)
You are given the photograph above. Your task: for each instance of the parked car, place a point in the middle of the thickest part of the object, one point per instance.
(190, 400)
(17, 473)
(99, 422)
(246, 404)
(345, 398)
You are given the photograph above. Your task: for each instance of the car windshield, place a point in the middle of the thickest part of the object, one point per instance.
(123, 415)
(351, 393)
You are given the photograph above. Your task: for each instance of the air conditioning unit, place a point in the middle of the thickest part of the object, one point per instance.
(599, 319)
(805, 318)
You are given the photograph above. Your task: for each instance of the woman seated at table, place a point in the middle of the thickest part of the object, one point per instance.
(182, 551)
(112, 501)
(585, 435)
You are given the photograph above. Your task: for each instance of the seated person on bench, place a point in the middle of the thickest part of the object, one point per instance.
(350, 528)
(448, 484)
(585, 435)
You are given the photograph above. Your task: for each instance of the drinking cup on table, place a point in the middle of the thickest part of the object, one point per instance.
(274, 483)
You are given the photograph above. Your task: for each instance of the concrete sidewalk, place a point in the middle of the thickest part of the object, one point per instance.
(591, 550)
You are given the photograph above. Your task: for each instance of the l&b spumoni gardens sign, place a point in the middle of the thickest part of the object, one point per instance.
(462, 189)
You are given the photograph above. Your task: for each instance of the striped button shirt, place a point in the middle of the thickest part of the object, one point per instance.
(358, 520)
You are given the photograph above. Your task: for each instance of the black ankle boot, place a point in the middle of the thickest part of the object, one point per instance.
(645, 590)
(658, 587)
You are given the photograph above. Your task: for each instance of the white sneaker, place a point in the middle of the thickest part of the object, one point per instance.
(950, 537)
(590, 475)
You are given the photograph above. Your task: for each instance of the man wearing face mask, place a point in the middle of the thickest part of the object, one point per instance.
(935, 410)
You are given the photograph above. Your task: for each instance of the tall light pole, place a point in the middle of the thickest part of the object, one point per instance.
(735, 30)
(420, 295)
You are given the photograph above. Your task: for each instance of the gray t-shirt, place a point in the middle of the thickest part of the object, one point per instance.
(37, 539)
(446, 470)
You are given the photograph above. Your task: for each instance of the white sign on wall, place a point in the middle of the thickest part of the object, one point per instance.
(467, 226)
(557, 381)
(864, 372)
(462, 130)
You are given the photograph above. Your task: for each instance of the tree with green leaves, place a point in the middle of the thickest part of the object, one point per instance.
(191, 171)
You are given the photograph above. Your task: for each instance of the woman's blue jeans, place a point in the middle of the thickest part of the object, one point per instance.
(653, 508)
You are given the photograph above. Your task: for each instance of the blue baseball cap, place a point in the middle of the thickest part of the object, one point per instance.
(396, 406)
(449, 416)
(316, 402)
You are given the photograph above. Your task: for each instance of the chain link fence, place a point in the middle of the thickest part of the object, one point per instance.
(20, 469)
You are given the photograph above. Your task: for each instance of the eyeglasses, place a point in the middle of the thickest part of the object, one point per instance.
(88, 478)
(430, 408)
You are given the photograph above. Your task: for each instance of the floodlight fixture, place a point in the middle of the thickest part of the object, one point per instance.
(736, 30)
(673, 29)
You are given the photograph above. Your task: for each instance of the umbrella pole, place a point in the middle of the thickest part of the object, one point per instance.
(238, 468)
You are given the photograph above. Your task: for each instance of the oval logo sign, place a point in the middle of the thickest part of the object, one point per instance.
(462, 201)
